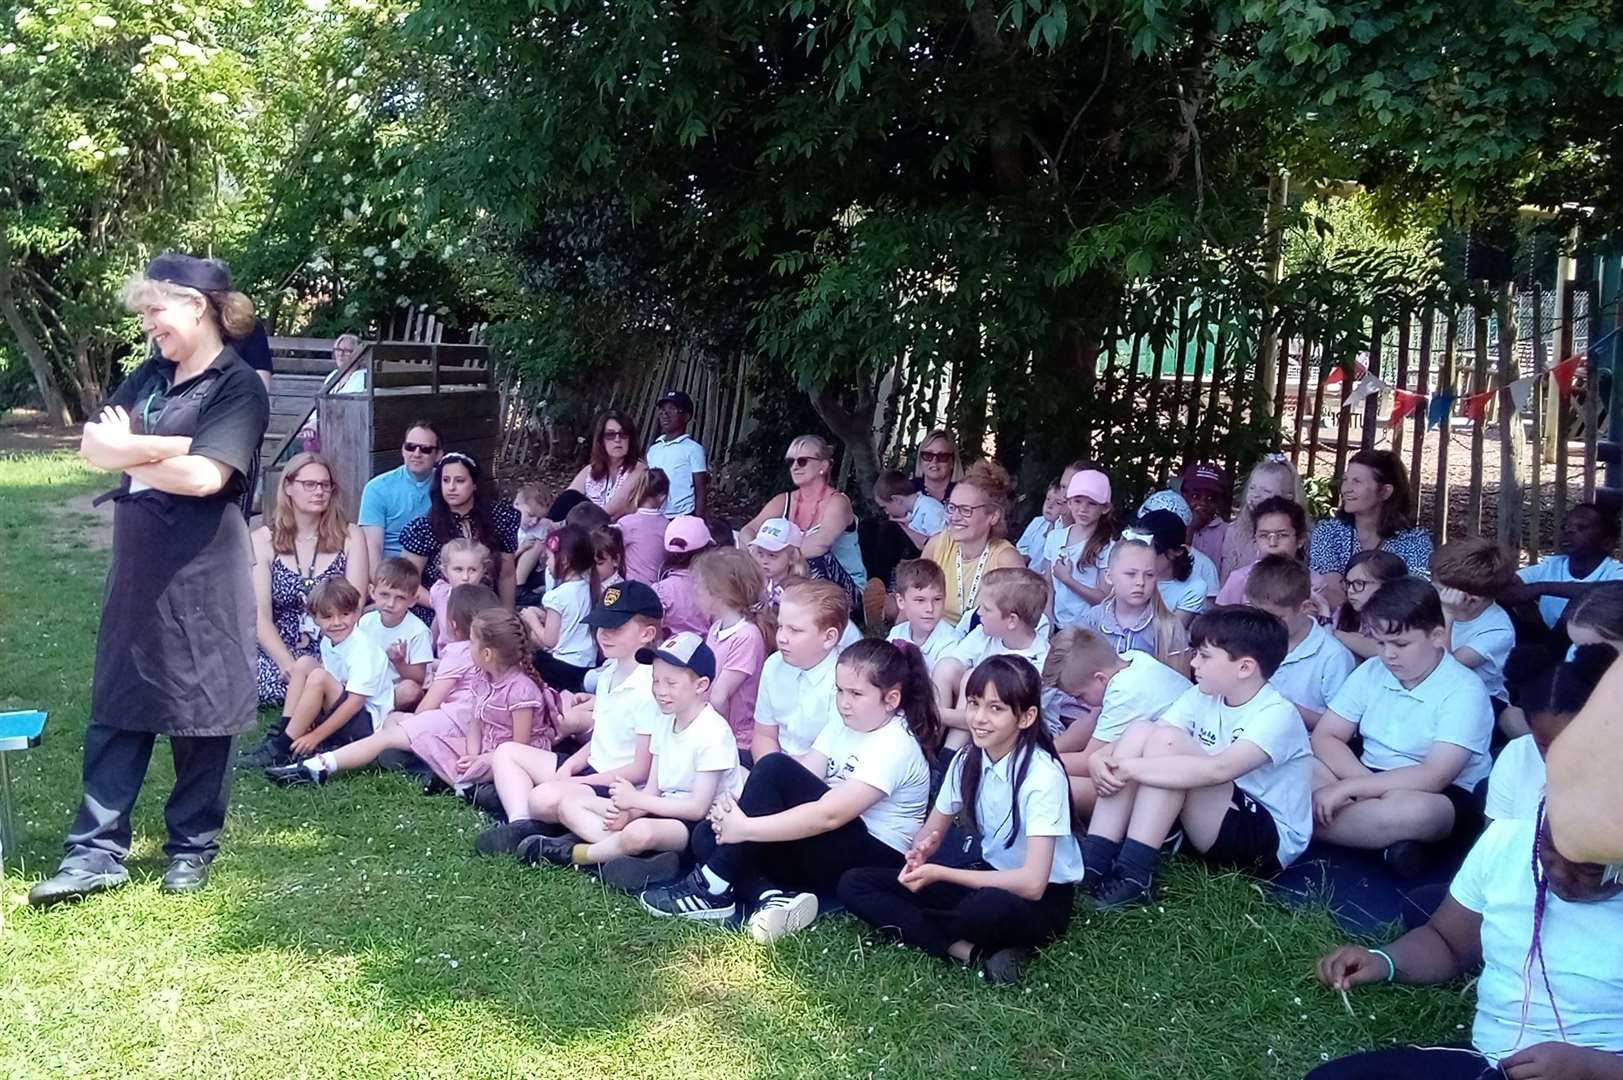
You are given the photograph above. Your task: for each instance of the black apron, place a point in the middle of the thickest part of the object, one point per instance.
(176, 650)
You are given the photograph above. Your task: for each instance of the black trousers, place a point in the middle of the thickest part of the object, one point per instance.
(884, 546)
(942, 913)
(115, 767)
(558, 674)
(811, 864)
(1409, 1063)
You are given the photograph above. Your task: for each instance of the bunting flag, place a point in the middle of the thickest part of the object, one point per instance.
(1336, 373)
(1369, 383)
(1404, 403)
(1564, 372)
(1437, 412)
(1521, 390)
(1475, 407)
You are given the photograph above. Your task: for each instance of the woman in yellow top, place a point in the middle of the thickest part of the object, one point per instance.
(973, 544)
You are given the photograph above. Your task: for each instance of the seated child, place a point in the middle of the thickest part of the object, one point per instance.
(695, 761)
(644, 530)
(1118, 690)
(462, 562)
(1011, 603)
(1366, 571)
(727, 585)
(1074, 556)
(531, 502)
(685, 538)
(921, 600)
(609, 553)
(558, 631)
(531, 783)
(1181, 589)
(508, 702)
(1425, 723)
(1036, 535)
(1273, 475)
(1588, 539)
(1468, 574)
(776, 550)
(1010, 786)
(1281, 530)
(1133, 617)
(1516, 784)
(1564, 919)
(1229, 762)
(796, 701)
(393, 628)
(1317, 664)
(918, 515)
(346, 694)
(1208, 489)
(854, 800)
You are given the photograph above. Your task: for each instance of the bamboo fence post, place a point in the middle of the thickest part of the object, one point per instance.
(1563, 422)
(1400, 379)
(1303, 363)
(1318, 416)
(1479, 384)
(1377, 330)
(1509, 526)
(1445, 383)
(1591, 370)
(1535, 504)
(1282, 361)
(1417, 456)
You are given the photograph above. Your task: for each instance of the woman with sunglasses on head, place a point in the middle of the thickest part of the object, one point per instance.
(613, 477)
(458, 507)
(973, 544)
(823, 513)
(307, 540)
(884, 543)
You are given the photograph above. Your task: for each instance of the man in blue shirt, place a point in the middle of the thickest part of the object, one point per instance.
(393, 499)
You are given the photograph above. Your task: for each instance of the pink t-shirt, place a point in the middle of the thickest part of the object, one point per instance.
(456, 663)
(644, 534)
(494, 701)
(1209, 540)
(439, 594)
(739, 648)
(682, 612)
(1233, 590)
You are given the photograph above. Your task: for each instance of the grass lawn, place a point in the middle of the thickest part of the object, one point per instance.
(351, 932)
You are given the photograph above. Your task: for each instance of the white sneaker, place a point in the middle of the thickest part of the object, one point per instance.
(781, 914)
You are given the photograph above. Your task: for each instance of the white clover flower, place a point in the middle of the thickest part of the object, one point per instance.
(164, 40)
(103, 22)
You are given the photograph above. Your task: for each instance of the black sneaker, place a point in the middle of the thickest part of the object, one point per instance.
(634, 873)
(1093, 880)
(1005, 966)
(537, 849)
(1408, 859)
(690, 898)
(262, 755)
(1121, 894)
(505, 839)
(295, 776)
(483, 796)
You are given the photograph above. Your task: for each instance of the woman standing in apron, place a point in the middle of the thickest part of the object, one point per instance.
(175, 655)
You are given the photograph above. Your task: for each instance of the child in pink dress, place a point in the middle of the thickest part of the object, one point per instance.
(729, 588)
(462, 562)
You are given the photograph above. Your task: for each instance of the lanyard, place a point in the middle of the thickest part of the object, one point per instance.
(958, 574)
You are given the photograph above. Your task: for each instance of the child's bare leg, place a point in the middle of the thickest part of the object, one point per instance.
(321, 694)
(407, 693)
(545, 799)
(516, 769)
(1397, 815)
(641, 836)
(583, 814)
(1155, 809)
(365, 751)
(1083, 796)
(302, 667)
(1111, 813)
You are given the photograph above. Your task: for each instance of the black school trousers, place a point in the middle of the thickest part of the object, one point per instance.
(1409, 1063)
(811, 864)
(942, 913)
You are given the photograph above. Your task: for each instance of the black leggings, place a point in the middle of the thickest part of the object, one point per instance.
(942, 913)
(810, 864)
(558, 674)
(1409, 1063)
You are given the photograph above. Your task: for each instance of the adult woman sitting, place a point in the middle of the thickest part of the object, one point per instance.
(883, 542)
(458, 507)
(938, 468)
(830, 546)
(973, 543)
(308, 539)
(613, 477)
(1377, 511)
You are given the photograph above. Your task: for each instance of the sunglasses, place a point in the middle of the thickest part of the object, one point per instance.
(419, 447)
(800, 462)
(616, 436)
(935, 457)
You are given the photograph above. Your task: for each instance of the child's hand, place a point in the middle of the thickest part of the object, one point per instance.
(731, 825)
(915, 878)
(623, 793)
(1350, 966)
(531, 618)
(305, 745)
(527, 545)
(464, 763)
(397, 652)
(1106, 774)
(1329, 801)
(924, 845)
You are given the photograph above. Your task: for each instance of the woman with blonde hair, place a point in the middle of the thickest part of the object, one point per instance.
(973, 544)
(822, 512)
(308, 539)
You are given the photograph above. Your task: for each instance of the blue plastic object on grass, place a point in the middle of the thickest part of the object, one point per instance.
(18, 731)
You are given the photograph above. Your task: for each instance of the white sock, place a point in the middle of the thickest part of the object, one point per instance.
(321, 763)
(718, 885)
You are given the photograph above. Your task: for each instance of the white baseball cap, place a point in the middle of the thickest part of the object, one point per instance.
(777, 534)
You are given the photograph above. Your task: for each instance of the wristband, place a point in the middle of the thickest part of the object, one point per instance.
(1391, 968)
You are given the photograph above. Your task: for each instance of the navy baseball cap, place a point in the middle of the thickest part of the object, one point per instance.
(620, 602)
(678, 398)
(687, 650)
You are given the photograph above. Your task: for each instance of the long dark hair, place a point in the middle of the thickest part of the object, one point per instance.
(1397, 512)
(600, 457)
(576, 554)
(891, 666)
(1020, 688)
(440, 518)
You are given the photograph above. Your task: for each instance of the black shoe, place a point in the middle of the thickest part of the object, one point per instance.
(1093, 880)
(690, 898)
(634, 873)
(1005, 966)
(269, 751)
(484, 797)
(505, 839)
(558, 850)
(1121, 894)
(186, 874)
(72, 883)
(295, 776)
(1409, 859)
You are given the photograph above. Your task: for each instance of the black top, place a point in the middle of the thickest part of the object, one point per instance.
(254, 349)
(418, 537)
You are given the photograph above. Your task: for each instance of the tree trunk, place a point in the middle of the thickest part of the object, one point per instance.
(851, 418)
(50, 392)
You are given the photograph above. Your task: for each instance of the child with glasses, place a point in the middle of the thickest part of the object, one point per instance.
(1367, 571)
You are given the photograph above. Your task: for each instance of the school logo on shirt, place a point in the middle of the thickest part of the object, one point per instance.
(611, 596)
(1207, 736)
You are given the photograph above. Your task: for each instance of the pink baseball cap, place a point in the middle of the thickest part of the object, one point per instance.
(777, 534)
(1092, 484)
(686, 533)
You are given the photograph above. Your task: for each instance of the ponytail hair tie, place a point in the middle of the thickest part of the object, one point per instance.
(1275, 458)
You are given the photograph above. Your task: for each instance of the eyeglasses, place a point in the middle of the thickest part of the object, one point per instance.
(615, 435)
(800, 462)
(312, 486)
(1275, 535)
(935, 457)
(1359, 584)
(419, 447)
(959, 510)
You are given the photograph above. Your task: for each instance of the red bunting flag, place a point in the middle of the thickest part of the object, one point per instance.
(1403, 404)
(1338, 372)
(1475, 407)
(1564, 372)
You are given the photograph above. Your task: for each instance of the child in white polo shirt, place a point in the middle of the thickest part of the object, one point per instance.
(1425, 722)
(1229, 762)
(1011, 605)
(1013, 789)
(921, 600)
(1468, 575)
(796, 699)
(1317, 664)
